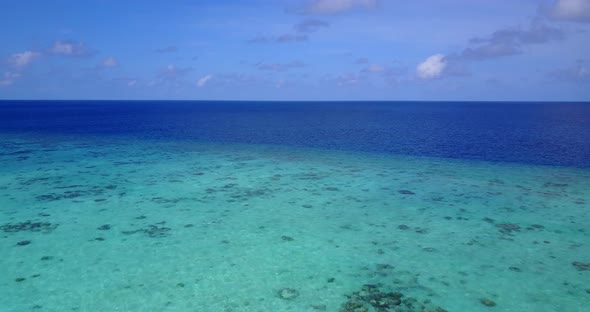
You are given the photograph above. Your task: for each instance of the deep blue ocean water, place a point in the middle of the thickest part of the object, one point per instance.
(535, 133)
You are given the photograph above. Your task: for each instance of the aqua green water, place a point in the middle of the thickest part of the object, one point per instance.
(206, 227)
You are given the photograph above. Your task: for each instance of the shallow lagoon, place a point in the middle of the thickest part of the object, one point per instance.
(118, 224)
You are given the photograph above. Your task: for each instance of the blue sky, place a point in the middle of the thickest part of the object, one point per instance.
(296, 49)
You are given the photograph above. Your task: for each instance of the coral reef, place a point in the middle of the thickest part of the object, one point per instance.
(371, 298)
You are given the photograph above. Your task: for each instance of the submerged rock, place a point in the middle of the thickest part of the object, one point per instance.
(581, 266)
(384, 266)
(288, 293)
(515, 269)
(487, 302)
(406, 192)
(104, 227)
(23, 243)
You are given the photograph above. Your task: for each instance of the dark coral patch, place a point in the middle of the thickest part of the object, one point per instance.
(151, 230)
(581, 266)
(508, 227)
(28, 226)
(371, 298)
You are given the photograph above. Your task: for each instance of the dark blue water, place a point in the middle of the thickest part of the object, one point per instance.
(538, 133)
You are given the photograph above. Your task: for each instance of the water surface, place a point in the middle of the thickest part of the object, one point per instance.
(179, 206)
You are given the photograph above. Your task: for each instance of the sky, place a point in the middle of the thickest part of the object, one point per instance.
(482, 50)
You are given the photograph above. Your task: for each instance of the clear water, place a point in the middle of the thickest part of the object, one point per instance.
(136, 210)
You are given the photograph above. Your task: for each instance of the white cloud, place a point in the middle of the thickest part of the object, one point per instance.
(574, 10)
(338, 6)
(9, 78)
(109, 62)
(432, 67)
(23, 59)
(203, 81)
(62, 48)
(131, 83)
(69, 48)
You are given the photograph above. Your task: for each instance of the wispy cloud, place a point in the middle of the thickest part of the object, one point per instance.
(571, 10)
(291, 38)
(330, 7)
(168, 49)
(280, 66)
(374, 68)
(361, 60)
(348, 79)
(171, 72)
(70, 48)
(109, 62)
(9, 78)
(201, 82)
(127, 81)
(259, 39)
(23, 59)
(578, 73)
(284, 38)
(301, 33)
(310, 26)
(237, 79)
(510, 41)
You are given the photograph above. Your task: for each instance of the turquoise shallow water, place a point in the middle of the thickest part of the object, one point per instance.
(111, 224)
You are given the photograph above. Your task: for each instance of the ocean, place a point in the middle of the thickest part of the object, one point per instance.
(294, 206)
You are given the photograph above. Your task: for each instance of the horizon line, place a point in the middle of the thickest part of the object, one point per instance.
(293, 101)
